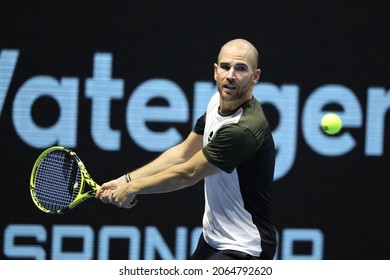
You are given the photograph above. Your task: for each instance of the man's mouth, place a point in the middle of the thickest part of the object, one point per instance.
(229, 86)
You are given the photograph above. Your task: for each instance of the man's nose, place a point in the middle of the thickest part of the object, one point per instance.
(231, 75)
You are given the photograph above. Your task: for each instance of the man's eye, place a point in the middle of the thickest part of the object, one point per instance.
(241, 68)
(225, 67)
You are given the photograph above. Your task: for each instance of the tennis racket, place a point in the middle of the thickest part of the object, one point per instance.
(59, 181)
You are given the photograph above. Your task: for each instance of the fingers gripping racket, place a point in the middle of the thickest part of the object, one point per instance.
(59, 181)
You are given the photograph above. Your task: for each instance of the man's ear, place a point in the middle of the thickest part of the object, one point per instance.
(215, 71)
(257, 75)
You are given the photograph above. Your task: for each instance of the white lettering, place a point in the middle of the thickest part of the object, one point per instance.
(8, 59)
(151, 243)
(65, 93)
(351, 116)
(101, 89)
(378, 105)
(157, 105)
(313, 236)
(14, 250)
(130, 233)
(138, 114)
(82, 232)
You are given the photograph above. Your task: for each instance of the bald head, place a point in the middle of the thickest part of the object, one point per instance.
(244, 47)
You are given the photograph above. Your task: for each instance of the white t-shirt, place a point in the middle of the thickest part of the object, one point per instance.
(237, 201)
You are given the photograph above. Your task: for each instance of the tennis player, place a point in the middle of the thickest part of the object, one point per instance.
(231, 147)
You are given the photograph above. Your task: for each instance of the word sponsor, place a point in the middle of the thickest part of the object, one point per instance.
(35, 241)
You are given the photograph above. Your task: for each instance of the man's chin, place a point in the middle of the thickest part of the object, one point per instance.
(228, 95)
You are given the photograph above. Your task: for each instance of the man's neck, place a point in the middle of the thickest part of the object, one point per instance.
(229, 107)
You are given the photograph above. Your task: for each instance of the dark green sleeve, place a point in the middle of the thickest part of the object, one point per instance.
(232, 145)
(200, 124)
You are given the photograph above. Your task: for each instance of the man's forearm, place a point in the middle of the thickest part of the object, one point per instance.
(167, 159)
(173, 156)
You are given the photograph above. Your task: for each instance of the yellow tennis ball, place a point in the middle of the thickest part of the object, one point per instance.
(331, 123)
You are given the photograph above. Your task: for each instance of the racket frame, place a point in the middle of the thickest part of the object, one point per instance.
(85, 179)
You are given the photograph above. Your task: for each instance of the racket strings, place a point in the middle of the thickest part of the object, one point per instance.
(57, 181)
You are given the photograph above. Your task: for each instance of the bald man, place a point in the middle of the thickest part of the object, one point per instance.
(231, 147)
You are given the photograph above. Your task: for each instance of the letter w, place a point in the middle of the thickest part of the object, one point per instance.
(8, 59)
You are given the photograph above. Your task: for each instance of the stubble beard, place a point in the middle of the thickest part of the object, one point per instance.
(238, 94)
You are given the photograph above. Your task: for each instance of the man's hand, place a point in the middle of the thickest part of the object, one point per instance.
(116, 192)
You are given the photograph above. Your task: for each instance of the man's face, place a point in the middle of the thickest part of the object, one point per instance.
(235, 74)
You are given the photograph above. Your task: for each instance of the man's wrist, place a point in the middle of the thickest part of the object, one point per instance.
(128, 177)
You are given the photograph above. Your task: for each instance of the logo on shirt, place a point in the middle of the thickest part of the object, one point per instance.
(210, 136)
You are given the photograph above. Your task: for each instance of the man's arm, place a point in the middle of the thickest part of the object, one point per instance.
(173, 156)
(180, 166)
(176, 177)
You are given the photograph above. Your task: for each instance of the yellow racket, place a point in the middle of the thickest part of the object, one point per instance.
(59, 181)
